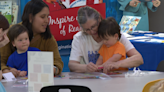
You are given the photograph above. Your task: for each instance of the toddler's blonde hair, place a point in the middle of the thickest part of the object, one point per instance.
(158, 87)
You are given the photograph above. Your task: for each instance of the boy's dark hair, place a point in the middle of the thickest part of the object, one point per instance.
(32, 8)
(108, 27)
(16, 30)
(4, 24)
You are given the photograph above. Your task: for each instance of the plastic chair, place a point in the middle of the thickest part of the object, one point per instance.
(160, 66)
(150, 84)
(73, 88)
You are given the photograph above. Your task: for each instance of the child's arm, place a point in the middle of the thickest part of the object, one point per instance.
(14, 71)
(114, 58)
(99, 61)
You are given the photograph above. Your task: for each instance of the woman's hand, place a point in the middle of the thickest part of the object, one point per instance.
(3, 38)
(134, 3)
(91, 67)
(156, 3)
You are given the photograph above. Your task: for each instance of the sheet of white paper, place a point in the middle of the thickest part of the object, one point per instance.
(127, 35)
(151, 40)
(40, 70)
(140, 31)
(139, 37)
(9, 76)
(157, 35)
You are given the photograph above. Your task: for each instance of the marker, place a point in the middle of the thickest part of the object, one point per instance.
(100, 67)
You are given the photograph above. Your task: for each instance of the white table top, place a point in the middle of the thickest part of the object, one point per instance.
(117, 83)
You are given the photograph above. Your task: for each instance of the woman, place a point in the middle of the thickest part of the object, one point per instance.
(86, 43)
(137, 8)
(35, 18)
(4, 25)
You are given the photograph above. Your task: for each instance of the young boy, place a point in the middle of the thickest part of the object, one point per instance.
(112, 50)
(19, 37)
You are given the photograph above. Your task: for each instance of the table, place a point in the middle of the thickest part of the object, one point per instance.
(115, 84)
(151, 52)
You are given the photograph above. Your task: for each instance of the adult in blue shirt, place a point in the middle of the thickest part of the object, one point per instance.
(137, 8)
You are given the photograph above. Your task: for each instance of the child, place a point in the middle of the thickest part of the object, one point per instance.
(112, 50)
(158, 87)
(19, 37)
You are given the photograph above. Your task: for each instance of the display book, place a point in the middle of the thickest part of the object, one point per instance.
(10, 10)
(129, 23)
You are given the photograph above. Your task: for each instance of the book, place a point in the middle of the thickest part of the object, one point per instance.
(14, 13)
(6, 10)
(40, 70)
(129, 23)
(77, 3)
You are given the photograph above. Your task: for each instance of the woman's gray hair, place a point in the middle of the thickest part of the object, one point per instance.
(85, 13)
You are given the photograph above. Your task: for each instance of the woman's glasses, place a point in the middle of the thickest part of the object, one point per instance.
(92, 27)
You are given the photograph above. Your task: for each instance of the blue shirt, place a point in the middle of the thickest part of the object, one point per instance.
(19, 61)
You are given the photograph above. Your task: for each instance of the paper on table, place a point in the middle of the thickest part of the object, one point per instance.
(140, 31)
(9, 76)
(158, 35)
(151, 40)
(139, 37)
(127, 35)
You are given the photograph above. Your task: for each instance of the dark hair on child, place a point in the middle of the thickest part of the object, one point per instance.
(4, 24)
(16, 30)
(108, 27)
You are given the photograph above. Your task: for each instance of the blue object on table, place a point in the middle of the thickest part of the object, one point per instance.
(151, 52)
(2, 89)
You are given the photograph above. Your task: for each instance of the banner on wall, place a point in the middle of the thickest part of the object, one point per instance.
(76, 3)
(63, 23)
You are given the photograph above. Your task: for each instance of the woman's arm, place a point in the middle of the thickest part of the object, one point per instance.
(134, 59)
(5, 51)
(75, 66)
(0, 75)
(51, 45)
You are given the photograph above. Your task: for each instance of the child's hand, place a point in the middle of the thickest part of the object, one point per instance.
(14, 71)
(22, 73)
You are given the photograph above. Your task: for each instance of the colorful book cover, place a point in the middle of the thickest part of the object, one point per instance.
(40, 70)
(129, 23)
(77, 3)
(6, 10)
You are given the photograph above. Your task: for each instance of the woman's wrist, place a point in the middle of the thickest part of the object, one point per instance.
(56, 70)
